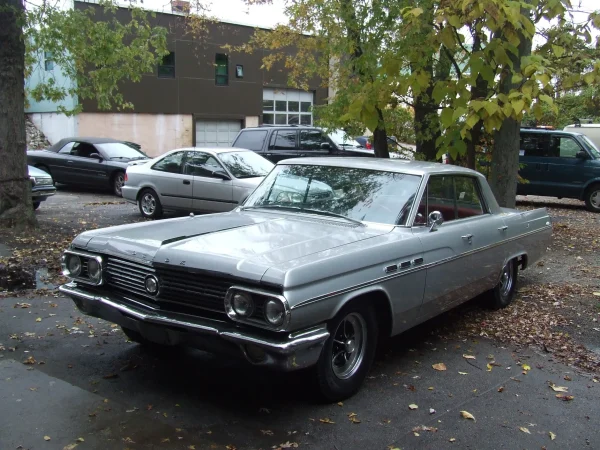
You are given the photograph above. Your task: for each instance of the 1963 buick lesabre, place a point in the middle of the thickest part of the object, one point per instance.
(325, 257)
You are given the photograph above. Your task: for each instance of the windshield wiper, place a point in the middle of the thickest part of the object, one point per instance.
(305, 210)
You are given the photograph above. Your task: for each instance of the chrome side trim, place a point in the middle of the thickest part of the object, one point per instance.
(414, 269)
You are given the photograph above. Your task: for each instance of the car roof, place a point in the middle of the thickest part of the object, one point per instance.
(546, 131)
(89, 140)
(383, 164)
(213, 150)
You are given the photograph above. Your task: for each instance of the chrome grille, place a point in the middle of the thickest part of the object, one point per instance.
(177, 287)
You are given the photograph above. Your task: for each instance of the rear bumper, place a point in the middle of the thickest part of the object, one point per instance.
(130, 193)
(283, 351)
(42, 194)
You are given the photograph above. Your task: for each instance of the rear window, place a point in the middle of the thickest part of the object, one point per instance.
(251, 140)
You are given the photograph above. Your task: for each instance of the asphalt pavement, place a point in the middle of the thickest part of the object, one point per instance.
(68, 381)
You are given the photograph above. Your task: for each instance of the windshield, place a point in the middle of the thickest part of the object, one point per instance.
(358, 194)
(119, 150)
(339, 137)
(246, 164)
(591, 147)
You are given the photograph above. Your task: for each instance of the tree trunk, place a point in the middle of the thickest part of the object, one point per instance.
(505, 159)
(16, 209)
(380, 144)
(472, 145)
(427, 128)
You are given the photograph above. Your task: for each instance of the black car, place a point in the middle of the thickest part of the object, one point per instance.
(277, 142)
(99, 162)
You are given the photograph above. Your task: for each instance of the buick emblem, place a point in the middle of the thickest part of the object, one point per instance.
(151, 284)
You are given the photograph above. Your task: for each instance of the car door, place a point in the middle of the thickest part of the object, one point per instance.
(565, 172)
(445, 250)
(533, 163)
(84, 168)
(314, 143)
(174, 187)
(57, 163)
(210, 193)
(283, 144)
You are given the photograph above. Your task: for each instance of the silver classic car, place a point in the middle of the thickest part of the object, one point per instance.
(325, 257)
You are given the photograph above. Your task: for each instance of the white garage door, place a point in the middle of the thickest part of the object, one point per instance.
(216, 133)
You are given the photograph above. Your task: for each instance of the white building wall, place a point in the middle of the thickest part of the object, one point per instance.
(156, 133)
(55, 126)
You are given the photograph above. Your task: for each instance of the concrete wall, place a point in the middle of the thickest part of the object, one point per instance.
(156, 133)
(55, 126)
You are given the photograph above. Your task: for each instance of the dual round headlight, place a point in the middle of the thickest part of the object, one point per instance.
(244, 305)
(94, 270)
(76, 267)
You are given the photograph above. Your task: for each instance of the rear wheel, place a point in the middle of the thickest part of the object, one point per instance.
(118, 180)
(503, 293)
(592, 198)
(149, 204)
(348, 353)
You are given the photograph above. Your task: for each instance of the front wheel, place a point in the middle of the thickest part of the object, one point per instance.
(592, 198)
(118, 180)
(348, 353)
(149, 204)
(503, 293)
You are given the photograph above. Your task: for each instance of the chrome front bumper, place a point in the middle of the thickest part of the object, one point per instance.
(284, 351)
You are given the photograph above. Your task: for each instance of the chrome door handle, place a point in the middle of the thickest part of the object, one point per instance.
(468, 238)
(504, 228)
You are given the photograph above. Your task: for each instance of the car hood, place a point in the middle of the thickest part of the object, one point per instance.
(247, 182)
(240, 243)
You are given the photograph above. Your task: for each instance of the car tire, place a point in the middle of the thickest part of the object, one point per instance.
(344, 363)
(117, 182)
(36, 205)
(592, 198)
(503, 293)
(149, 204)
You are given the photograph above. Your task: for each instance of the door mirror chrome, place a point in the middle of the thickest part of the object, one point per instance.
(96, 156)
(221, 174)
(325, 146)
(581, 154)
(435, 220)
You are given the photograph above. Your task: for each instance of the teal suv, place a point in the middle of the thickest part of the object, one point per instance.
(560, 164)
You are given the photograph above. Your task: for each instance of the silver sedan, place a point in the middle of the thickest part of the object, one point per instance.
(195, 179)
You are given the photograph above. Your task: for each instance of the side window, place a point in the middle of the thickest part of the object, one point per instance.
(67, 148)
(283, 140)
(565, 146)
(171, 163)
(536, 144)
(251, 140)
(441, 196)
(312, 140)
(468, 200)
(83, 149)
(201, 164)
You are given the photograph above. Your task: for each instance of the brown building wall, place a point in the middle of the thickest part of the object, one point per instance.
(193, 90)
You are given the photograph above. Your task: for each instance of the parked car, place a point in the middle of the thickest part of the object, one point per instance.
(587, 128)
(396, 149)
(560, 164)
(79, 161)
(194, 179)
(277, 142)
(42, 186)
(310, 280)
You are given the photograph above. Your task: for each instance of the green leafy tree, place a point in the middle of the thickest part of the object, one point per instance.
(96, 54)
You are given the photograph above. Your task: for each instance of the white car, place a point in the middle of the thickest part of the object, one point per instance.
(205, 180)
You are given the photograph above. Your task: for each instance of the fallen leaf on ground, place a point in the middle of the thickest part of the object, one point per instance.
(267, 432)
(424, 428)
(469, 357)
(47, 438)
(463, 373)
(501, 389)
(431, 411)
(413, 406)
(565, 398)
(524, 430)
(467, 415)
(340, 403)
(526, 367)
(489, 367)
(29, 360)
(568, 378)
(110, 376)
(287, 444)
(80, 439)
(165, 440)
(326, 420)
(552, 435)
(439, 366)
(556, 388)
(452, 440)
(39, 319)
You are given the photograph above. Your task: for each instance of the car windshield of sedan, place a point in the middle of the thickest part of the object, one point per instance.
(246, 164)
(116, 150)
(357, 194)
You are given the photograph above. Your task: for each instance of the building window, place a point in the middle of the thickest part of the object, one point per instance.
(167, 68)
(48, 61)
(239, 71)
(287, 107)
(221, 69)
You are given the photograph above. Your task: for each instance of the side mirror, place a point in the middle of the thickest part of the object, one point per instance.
(582, 155)
(435, 220)
(325, 146)
(96, 156)
(221, 174)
